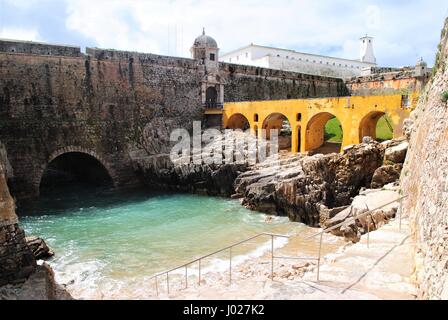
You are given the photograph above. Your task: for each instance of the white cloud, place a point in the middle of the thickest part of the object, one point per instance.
(20, 34)
(332, 27)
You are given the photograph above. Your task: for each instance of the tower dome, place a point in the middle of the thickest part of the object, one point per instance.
(205, 49)
(205, 41)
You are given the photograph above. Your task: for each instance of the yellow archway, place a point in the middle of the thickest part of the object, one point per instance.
(280, 122)
(368, 125)
(307, 117)
(238, 121)
(315, 131)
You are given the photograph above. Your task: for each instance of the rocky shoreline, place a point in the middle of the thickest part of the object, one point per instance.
(319, 190)
(307, 189)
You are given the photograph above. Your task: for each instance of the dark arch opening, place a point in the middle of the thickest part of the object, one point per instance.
(376, 125)
(278, 121)
(74, 173)
(211, 97)
(238, 121)
(324, 134)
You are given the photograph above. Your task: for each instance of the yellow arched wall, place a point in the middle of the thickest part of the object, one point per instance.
(349, 110)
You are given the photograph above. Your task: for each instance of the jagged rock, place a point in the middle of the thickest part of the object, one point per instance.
(396, 154)
(161, 173)
(39, 248)
(386, 174)
(303, 188)
(17, 261)
(326, 213)
(41, 285)
(367, 200)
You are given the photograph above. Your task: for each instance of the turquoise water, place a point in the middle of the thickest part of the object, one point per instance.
(109, 243)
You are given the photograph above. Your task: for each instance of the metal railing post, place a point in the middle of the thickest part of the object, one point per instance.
(368, 234)
(230, 266)
(167, 283)
(401, 213)
(318, 259)
(368, 225)
(272, 257)
(199, 278)
(186, 276)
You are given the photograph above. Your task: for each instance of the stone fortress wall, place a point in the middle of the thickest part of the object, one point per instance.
(114, 104)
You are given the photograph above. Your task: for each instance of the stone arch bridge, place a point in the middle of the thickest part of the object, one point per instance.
(358, 116)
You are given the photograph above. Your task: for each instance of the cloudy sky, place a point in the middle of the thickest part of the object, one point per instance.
(404, 30)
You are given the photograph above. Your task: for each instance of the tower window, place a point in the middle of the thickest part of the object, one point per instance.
(299, 117)
(212, 57)
(247, 54)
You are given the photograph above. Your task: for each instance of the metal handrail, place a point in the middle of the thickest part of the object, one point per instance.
(230, 247)
(272, 235)
(355, 218)
(348, 221)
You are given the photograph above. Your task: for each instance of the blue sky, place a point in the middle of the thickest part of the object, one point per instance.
(404, 31)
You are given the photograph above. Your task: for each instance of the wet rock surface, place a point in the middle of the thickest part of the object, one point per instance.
(39, 248)
(39, 286)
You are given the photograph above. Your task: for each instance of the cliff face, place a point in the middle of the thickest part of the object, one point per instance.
(425, 180)
(17, 261)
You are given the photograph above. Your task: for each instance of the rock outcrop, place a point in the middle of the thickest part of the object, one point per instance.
(17, 262)
(21, 277)
(394, 156)
(161, 173)
(305, 187)
(425, 180)
(39, 248)
(366, 200)
(40, 285)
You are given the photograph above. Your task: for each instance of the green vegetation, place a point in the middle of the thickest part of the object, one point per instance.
(445, 96)
(384, 129)
(333, 131)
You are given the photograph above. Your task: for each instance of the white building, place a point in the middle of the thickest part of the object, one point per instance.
(290, 60)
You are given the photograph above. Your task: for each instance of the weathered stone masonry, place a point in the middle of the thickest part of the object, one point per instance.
(113, 103)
